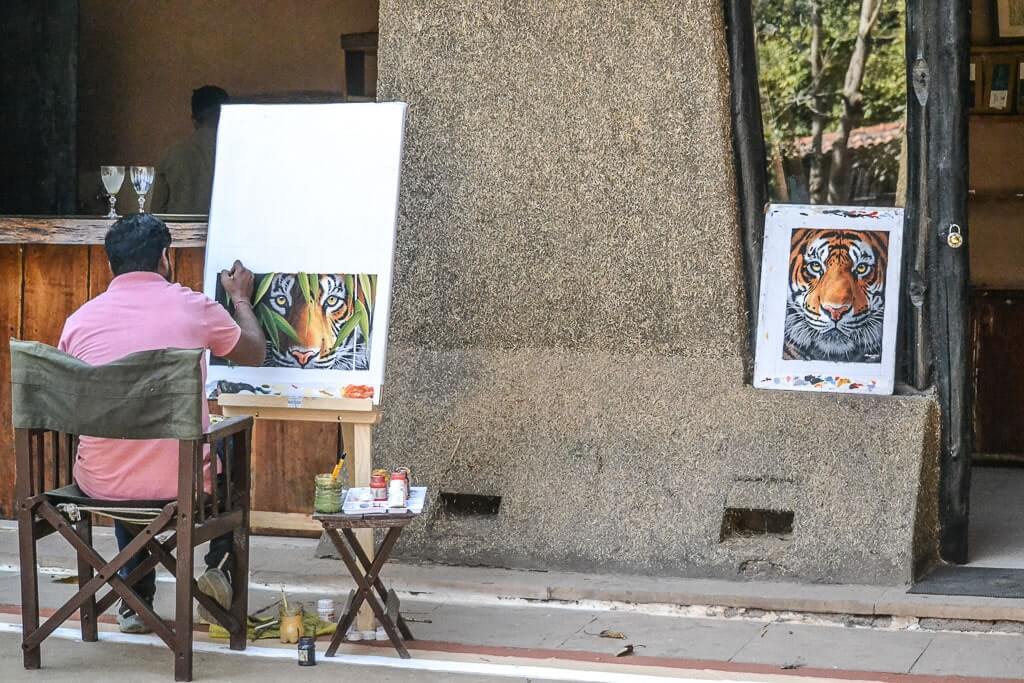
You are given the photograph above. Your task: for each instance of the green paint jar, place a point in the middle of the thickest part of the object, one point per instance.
(327, 494)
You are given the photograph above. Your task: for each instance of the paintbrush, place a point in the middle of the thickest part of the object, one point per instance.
(337, 467)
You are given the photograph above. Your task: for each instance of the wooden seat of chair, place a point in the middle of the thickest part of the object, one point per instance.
(76, 496)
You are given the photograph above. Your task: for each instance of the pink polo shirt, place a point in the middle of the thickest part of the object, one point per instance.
(141, 311)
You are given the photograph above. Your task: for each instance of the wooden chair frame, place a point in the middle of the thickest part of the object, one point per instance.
(195, 517)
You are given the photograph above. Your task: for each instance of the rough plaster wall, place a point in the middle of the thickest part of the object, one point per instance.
(568, 330)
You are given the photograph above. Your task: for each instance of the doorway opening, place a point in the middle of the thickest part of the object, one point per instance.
(996, 330)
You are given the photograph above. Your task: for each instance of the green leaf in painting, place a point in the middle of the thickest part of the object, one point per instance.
(283, 325)
(367, 291)
(350, 286)
(314, 286)
(263, 313)
(304, 286)
(363, 318)
(262, 288)
(344, 332)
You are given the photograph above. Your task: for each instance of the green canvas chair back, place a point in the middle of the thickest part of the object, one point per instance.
(145, 395)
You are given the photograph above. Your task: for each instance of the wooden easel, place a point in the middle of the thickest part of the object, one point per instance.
(357, 418)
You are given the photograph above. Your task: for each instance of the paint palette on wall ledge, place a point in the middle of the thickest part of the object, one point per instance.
(829, 299)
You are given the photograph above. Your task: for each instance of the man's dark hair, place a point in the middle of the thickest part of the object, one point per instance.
(136, 242)
(206, 103)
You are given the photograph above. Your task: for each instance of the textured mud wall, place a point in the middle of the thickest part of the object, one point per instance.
(568, 331)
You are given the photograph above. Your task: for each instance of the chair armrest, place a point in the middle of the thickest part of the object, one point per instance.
(227, 427)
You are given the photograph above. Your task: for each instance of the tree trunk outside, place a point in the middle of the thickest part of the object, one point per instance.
(816, 183)
(853, 103)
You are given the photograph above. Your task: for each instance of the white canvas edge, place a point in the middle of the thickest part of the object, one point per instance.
(291, 381)
(770, 370)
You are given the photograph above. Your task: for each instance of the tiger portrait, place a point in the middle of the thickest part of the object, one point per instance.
(315, 321)
(836, 300)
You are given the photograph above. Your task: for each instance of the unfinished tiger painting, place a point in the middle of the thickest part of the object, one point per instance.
(314, 321)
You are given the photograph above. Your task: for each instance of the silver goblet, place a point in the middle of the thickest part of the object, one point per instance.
(113, 178)
(142, 181)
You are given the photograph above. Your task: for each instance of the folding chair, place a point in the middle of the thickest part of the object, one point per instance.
(147, 395)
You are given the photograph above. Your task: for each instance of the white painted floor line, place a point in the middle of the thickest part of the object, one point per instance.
(426, 665)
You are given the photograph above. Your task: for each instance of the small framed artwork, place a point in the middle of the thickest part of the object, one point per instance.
(1008, 18)
(1000, 84)
(829, 299)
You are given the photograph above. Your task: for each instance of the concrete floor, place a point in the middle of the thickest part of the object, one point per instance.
(503, 632)
(996, 535)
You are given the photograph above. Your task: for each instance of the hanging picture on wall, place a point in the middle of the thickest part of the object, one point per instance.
(306, 196)
(1009, 20)
(829, 299)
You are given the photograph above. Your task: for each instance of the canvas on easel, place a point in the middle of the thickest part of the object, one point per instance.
(306, 197)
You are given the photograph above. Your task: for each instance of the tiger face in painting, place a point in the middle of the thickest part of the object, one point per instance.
(836, 303)
(316, 327)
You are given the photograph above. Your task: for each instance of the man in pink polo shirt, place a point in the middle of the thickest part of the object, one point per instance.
(142, 310)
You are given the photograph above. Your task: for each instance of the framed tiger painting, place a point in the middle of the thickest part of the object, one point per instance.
(306, 197)
(829, 299)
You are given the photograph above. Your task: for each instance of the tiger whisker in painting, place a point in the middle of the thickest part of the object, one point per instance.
(314, 321)
(835, 309)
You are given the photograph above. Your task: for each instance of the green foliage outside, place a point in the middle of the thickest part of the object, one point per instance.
(783, 50)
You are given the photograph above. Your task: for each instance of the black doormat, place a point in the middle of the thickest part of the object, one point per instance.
(977, 581)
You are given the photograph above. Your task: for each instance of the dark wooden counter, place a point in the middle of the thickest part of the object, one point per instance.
(53, 265)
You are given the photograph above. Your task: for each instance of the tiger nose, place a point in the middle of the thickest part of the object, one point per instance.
(303, 356)
(836, 311)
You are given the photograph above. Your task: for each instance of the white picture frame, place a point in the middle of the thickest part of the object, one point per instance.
(308, 189)
(819, 327)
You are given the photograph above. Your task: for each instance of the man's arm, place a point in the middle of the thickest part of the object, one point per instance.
(252, 345)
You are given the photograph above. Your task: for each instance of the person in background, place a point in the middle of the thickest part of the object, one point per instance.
(184, 179)
(143, 311)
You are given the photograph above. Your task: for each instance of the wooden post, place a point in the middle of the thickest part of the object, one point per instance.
(946, 27)
(362, 465)
(748, 153)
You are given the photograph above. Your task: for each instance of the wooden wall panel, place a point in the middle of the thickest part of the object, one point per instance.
(56, 284)
(997, 335)
(99, 271)
(188, 267)
(285, 458)
(10, 326)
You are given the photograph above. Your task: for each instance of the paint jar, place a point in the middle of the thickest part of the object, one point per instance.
(401, 474)
(291, 624)
(307, 651)
(327, 494)
(396, 494)
(379, 486)
(325, 609)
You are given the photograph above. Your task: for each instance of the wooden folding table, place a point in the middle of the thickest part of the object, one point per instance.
(366, 573)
